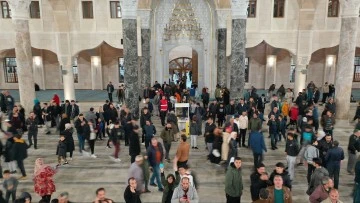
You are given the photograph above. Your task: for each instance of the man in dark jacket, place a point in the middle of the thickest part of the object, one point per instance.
(114, 137)
(233, 181)
(280, 170)
(241, 107)
(74, 110)
(110, 90)
(79, 126)
(259, 179)
(324, 145)
(291, 150)
(19, 153)
(130, 194)
(209, 133)
(155, 157)
(32, 124)
(257, 144)
(112, 113)
(317, 175)
(134, 144)
(230, 109)
(333, 160)
(353, 147)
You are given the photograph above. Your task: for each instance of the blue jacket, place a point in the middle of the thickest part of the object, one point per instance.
(257, 142)
(151, 153)
(334, 156)
(149, 131)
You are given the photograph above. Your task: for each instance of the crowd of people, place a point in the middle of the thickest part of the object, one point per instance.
(229, 125)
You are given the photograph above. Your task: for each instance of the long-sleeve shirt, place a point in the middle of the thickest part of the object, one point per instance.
(11, 182)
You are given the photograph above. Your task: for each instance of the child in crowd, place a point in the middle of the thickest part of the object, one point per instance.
(61, 151)
(10, 185)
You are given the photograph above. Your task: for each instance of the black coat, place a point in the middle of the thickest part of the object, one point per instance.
(131, 197)
(8, 147)
(19, 149)
(62, 124)
(134, 145)
(70, 145)
(256, 185)
(61, 148)
(285, 176)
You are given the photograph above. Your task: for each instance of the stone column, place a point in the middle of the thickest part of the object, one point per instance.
(145, 73)
(96, 73)
(238, 42)
(221, 32)
(24, 60)
(346, 56)
(68, 77)
(131, 59)
(300, 74)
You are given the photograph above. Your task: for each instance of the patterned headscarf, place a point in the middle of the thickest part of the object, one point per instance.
(39, 165)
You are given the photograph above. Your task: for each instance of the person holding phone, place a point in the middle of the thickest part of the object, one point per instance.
(185, 193)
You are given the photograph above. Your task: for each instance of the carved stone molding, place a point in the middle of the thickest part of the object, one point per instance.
(303, 60)
(129, 9)
(350, 8)
(19, 9)
(222, 16)
(239, 9)
(145, 17)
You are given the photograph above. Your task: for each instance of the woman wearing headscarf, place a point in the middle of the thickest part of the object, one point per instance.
(43, 180)
(68, 133)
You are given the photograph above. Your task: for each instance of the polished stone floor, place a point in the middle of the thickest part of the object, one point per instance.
(85, 174)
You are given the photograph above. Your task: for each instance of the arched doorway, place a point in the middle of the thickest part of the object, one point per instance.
(183, 65)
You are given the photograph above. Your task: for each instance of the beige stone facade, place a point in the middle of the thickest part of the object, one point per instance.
(61, 33)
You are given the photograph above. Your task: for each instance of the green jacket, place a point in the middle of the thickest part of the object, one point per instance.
(167, 135)
(255, 124)
(146, 172)
(168, 187)
(233, 182)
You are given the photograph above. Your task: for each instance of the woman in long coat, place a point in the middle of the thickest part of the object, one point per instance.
(225, 144)
(68, 133)
(215, 156)
(64, 120)
(43, 180)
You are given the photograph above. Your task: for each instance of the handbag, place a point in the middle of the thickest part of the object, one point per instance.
(92, 136)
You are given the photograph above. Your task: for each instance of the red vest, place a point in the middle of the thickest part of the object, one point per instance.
(163, 105)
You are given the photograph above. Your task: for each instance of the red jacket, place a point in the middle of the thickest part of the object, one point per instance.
(294, 113)
(163, 105)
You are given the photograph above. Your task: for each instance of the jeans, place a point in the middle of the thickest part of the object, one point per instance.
(230, 199)
(8, 194)
(81, 142)
(351, 162)
(210, 147)
(32, 135)
(273, 140)
(162, 117)
(156, 174)
(92, 146)
(110, 97)
(21, 166)
(167, 146)
(193, 140)
(147, 142)
(117, 150)
(310, 171)
(291, 161)
(258, 158)
(334, 172)
(242, 137)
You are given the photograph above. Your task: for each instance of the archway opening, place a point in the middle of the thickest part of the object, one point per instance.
(183, 66)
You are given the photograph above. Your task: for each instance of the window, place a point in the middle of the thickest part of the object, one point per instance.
(5, 9)
(115, 9)
(10, 70)
(247, 66)
(252, 9)
(333, 8)
(87, 8)
(357, 69)
(292, 70)
(34, 9)
(279, 7)
(75, 70)
(121, 70)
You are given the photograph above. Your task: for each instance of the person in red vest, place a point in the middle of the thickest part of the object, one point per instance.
(163, 109)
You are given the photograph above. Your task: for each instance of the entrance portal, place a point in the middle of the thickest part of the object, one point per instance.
(183, 66)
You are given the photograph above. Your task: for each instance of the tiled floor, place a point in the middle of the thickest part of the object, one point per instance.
(84, 174)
